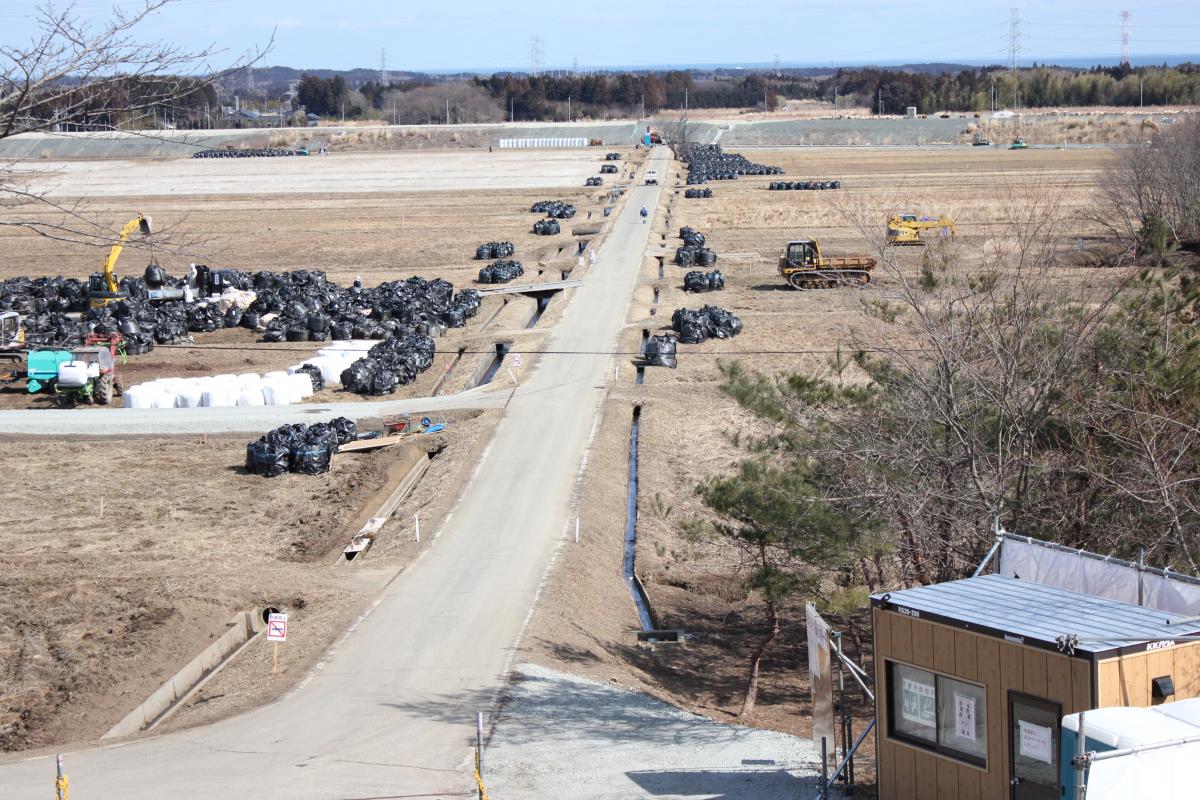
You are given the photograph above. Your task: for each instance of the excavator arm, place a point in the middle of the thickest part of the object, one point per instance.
(140, 222)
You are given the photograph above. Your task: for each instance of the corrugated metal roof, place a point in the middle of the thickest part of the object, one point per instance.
(1038, 614)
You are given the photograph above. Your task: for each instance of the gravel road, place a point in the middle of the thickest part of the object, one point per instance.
(562, 736)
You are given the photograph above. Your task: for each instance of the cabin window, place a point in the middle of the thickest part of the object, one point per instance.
(937, 712)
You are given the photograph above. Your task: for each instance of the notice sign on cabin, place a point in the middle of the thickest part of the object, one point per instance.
(1037, 742)
(919, 704)
(964, 717)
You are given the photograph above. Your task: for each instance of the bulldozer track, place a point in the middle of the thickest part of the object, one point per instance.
(829, 278)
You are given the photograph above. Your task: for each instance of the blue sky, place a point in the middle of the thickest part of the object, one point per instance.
(474, 34)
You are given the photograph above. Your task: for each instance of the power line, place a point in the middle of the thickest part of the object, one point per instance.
(1124, 38)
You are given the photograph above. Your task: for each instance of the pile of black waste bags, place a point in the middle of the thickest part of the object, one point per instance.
(660, 352)
(490, 250)
(501, 272)
(391, 363)
(546, 227)
(697, 281)
(710, 322)
(305, 449)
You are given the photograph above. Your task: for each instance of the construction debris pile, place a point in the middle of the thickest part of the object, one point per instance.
(693, 253)
(391, 363)
(708, 162)
(546, 227)
(776, 186)
(501, 272)
(300, 448)
(490, 250)
(558, 209)
(697, 281)
(697, 194)
(710, 322)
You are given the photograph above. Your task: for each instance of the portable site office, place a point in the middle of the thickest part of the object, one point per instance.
(974, 676)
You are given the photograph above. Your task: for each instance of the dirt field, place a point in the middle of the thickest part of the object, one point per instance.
(187, 539)
(379, 237)
(587, 622)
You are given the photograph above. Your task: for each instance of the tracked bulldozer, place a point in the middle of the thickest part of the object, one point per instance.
(803, 266)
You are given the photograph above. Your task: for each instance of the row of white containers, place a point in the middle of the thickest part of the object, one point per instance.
(504, 143)
(248, 389)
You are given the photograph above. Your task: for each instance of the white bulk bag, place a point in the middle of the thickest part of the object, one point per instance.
(251, 397)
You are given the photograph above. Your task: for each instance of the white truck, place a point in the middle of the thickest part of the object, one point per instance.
(651, 177)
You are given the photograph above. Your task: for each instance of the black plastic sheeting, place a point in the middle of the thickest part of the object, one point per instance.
(559, 209)
(501, 272)
(660, 352)
(300, 448)
(697, 281)
(391, 363)
(547, 227)
(707, 162)
(490, 250)
(307, 307)
(710, 322)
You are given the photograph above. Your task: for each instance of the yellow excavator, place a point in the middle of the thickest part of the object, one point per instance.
(106, 290)
(804, 266)
(905, 229)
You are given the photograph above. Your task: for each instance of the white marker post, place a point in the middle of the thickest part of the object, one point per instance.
(276, 632)
(417, 525)
(577, 530)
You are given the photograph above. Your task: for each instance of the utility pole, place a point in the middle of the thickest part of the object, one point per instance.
(643, 116)
(1014, 52)
(447, 110)
(835, 99)
(535, 55)
(512, 114)
(881, 102)
(568, 108)
(384, 78)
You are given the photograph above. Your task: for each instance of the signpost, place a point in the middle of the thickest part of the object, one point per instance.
(516, 359)
(276, 632)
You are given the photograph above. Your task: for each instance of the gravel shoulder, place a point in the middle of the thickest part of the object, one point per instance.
(563, 736)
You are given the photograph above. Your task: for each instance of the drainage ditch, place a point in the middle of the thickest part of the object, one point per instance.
(641, 367)
(661, 274)
(542, 302)
(449, 370)
(494, 367)
(654, 307)
(636, 590)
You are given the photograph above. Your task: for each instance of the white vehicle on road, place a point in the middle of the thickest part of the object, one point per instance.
(651, 177)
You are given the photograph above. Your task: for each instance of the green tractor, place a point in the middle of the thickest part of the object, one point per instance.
(89, 375)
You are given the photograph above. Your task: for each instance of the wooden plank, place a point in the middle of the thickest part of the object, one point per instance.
(926, 774)
(1135, 683)
(969, 783)
(993, 782)
(1058, 679)
(519, 288)
(370, 444)
(922, 643)
(1035, 672)
(943, 649)
(966, 656)
(947, 779)
(1187, 671)
(1158, 663)
(885, 765)
(884, 749)
(1108, 682)
(1081, 687)
(901, 636)
(905, 784)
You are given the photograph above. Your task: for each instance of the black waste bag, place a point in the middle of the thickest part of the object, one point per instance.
(233, 317)
(310, 459)
(314, 373)
(346, 429)
(266, 459)
(692, 331)
(251, 320)
(155, 276)
(322, 433)
(287, 436)
(660, 352)
(719, 323)
(342, 330)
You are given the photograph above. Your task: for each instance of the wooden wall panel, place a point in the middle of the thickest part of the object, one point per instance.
(884, 750)
(1109, 684)
(922, 643)
(1034, 681)
(969, 783)
(947, 778)
(966, 655)
(1135, 683)
(943, 649)
(905, 784)
(927, 774)
(1187, 671)
(994, 782)
(1058, 680)
(901, 636)
(1081, 686)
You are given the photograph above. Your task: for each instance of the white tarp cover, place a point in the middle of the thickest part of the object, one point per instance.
(820, 673)
(1031, 561)
(547, 142)
(1169, 772)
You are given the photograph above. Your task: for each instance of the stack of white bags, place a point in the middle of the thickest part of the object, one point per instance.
(248, 389)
